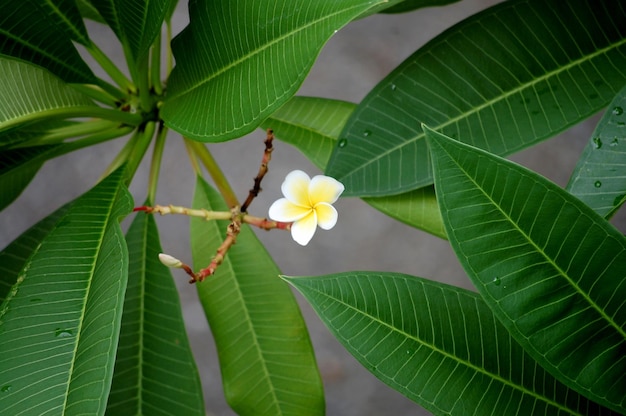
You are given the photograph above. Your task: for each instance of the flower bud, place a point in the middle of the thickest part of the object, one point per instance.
(170, 261)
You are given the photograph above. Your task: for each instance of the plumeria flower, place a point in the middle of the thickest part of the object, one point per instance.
(307, 203)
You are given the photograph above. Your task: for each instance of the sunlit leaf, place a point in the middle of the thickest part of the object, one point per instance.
(59, 324)
(439, 345)
(239, 61)
(29, 93)
(313, 125)
(155, 373)
(502, 80)
(598, 179)
(42, 32)
(267, 362)
(551, 269)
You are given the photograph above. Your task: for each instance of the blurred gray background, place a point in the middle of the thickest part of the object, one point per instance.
(352, 63)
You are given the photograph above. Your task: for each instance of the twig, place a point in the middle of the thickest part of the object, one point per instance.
(267, 156)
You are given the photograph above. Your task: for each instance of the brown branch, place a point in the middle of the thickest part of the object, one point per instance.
(267, 156)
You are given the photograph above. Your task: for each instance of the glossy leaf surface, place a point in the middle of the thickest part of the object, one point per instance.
(501, 80)
(551, 269)
(267, 361)
(42, 32)
(135, 22)
(60, 321)
(237, 62)
(313, 125)
(29, 93)
(439, 345)
(155, 373)
(599, 177)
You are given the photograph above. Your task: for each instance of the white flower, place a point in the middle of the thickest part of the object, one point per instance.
(307, 203)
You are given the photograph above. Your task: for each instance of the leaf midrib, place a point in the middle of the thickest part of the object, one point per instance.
(488, 103)
(53, 58)
(251, 330)
(81, 321)
(260, 49)
(449, 355)
(550, 261)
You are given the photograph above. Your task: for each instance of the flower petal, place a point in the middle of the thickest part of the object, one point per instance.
(326, 215)
(302, 230)
(296, 188)
(283, 210)
(324, 189)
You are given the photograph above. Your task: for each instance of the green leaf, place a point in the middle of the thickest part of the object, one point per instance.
(59, 324)
(32, 132)
(598, 179)
(409, 5)
(267, 361)
(501, 80)
(237, 62)
(42, 32)
(135, 22)
(18, 167)
(313, 125)
(29, 93)
(416, 208)
(310, 124)
(550, 268)
(439, 345)
(14, 256)
(88, 11)
(155, 373)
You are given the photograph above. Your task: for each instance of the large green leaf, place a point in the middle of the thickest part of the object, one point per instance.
(60, 322)
(313, 125)
(135, 22)
(598, 179)
(552, 270)
(238, 61)
(30, 93)
(501, 80)
(42, 32)
(439, 345)
(155, 373)
(14, 256)
(267, 362)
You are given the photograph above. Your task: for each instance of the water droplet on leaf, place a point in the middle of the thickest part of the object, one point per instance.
(597, 184)
(367, 133)
(496, 281)
(6, 388)
(597, 142)
(393, 87)
(342, 143)
(614, 142)
(63, 333)
(618, 111)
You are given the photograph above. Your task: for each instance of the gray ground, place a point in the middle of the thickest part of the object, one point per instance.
(353, 61)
